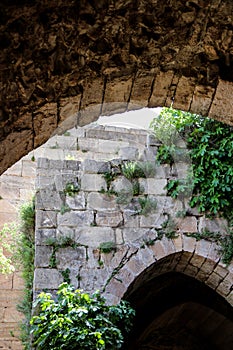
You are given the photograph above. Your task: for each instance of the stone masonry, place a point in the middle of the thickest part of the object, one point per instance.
(94, 231)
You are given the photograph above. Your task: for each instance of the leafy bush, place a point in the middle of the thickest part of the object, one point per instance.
(77, 320)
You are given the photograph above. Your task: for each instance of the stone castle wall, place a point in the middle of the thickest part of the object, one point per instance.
(77, 213)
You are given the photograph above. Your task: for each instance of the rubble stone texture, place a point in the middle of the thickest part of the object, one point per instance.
(65, 62)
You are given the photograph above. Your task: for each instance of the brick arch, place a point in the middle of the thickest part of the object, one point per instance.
(184, 255)
(89, 54)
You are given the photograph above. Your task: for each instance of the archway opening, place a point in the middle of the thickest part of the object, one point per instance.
(176, 311)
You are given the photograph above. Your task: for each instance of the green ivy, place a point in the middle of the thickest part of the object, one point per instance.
(210, 148)
(77, 320)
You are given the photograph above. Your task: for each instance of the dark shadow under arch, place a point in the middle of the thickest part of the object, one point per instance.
(175, 311)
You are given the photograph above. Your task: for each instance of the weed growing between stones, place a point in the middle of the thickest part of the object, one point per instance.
(147, 205)
(62, 242)
(225, 241)
(107, 247)
(71, 189)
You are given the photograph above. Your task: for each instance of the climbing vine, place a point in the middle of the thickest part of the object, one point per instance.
(208, 144)
(210, 147)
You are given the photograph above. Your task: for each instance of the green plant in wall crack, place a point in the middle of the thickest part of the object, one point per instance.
(107, 247)
(77, 320)
(109, 177)
(132, 170)
(224, 240)
(71, 189)
(148, 205)
(62, 242)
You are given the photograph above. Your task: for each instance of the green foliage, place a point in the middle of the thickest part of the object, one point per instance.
(169, 228)
(132, 170)
(107, 247)
(77, 320)
(137, 189)
(71, 189)
(147, 205)
(66, 275)
(225, 240)
(9, 237)
(25, 256)
(109, 176)
(64, 209)
(211, 149)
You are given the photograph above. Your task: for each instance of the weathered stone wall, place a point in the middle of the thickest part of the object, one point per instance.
(60, 58)
(71, 228)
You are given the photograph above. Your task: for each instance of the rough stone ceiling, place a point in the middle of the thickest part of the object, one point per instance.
(97, 52)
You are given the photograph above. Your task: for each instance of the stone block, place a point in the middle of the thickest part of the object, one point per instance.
(213, 280)
(48, 199)
(91, 166)
(86, 145)
(43, 255)
(154, 186)
(158, 250)
(77, 202)
(28, 168)
(130, 219)
(71, 258)
(128, 153)
(197, 260)
(93, 236)
(42, 235)
(153, 219)
(92, 182)
(203, 248)
(131, 235)
(45, 278)
(75, 218)
(225, 287)
(122, 184)
(114, 147)
(100, 201)
(214, 225)
(189, 244)
(46, 219)
(190, 270)
(109, 218)
(187, 224)
(221, 271)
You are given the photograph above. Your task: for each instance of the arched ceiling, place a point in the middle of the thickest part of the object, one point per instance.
(58, 57)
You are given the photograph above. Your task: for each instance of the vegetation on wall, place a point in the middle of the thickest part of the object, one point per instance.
(208, 146)
(26, 248)
(77, 320)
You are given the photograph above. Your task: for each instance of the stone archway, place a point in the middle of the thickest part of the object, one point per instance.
(179, 302)
(60, 57)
